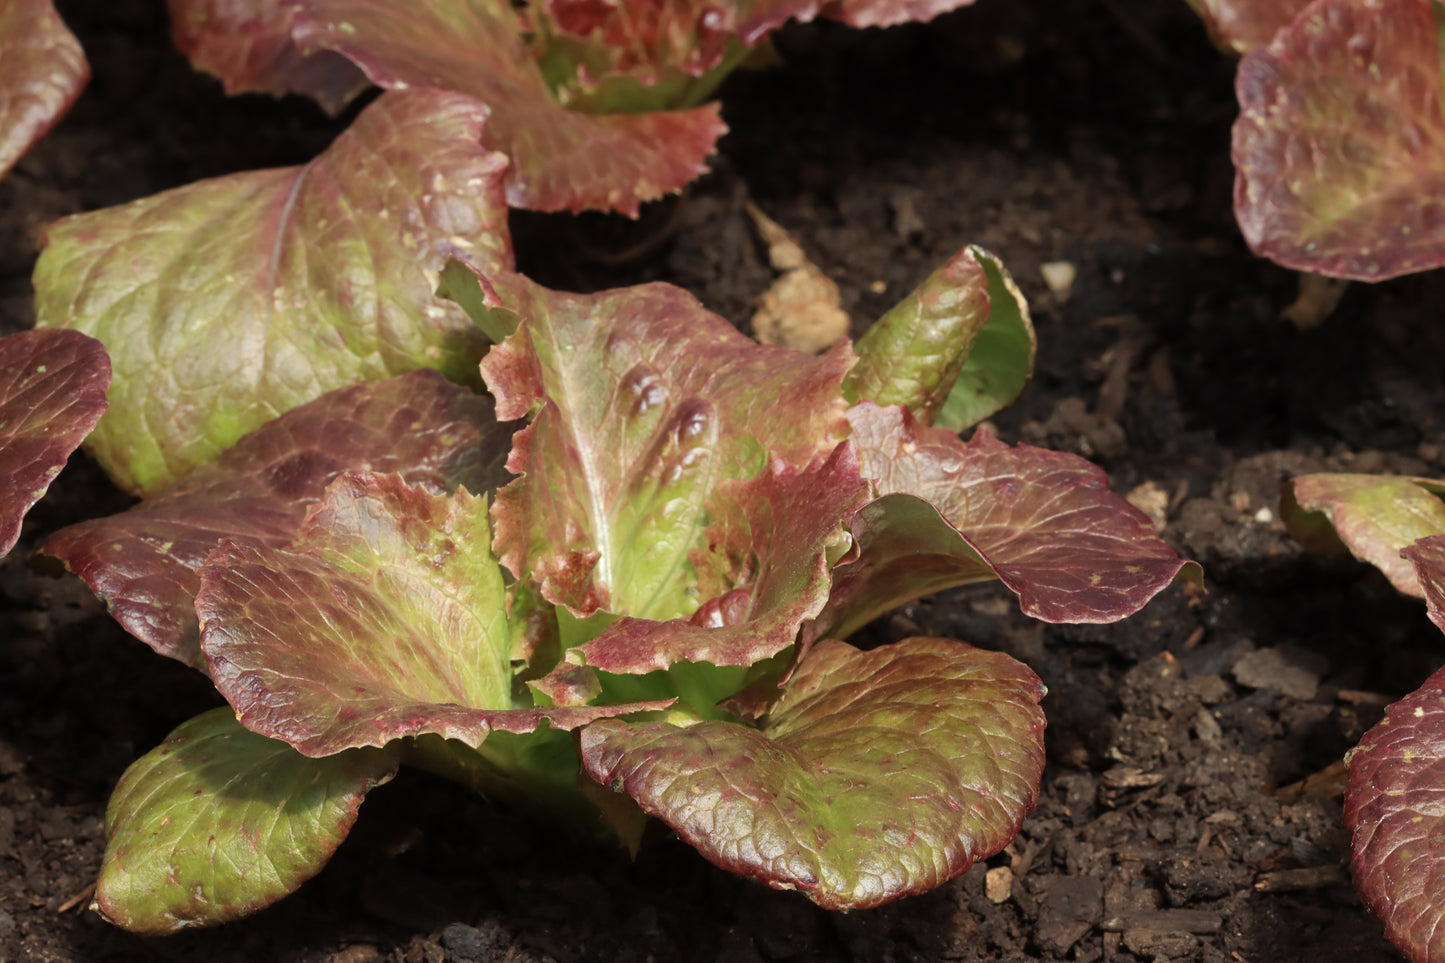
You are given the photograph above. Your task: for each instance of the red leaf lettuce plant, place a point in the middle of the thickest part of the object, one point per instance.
(1339, 148)
(620, 577)
(599, 104)
(1398, 525)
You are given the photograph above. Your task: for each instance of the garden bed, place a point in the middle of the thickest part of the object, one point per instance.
(1179, 819)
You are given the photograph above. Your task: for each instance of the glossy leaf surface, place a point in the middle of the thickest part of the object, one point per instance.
(230, 301)
(1000, 361)
(217, 822)
(877, 774)
(52, 393)
(561, 159)
(42, 70)
(765, 570)
(643, 404)
(956, 350)
(247, 45)
(1339, 149)
(386, 617)
(912, 355)
(951, 512)
(145, 562)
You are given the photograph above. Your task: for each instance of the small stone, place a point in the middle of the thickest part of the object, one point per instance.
(1293, 672)
(998, 884)
(467, 942)
(1059, 276)
(1153, 501)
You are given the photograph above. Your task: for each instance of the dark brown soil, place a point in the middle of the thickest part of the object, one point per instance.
(1171, 825)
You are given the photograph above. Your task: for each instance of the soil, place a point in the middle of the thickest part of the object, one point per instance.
(1174, 823)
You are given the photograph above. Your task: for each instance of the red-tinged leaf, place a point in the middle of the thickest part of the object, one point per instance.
(1428, 557)
(561, 159)
(652, 41)
(644, 403)
(1242, 25)
(42, 70)
(1393, 810)
(145, 562)
(876, 774)
(217, 822)
(247, 45)
(765, 571)
(386, 617)
(52, 392)
(1340, 144)
(1043, 522)
(888, 13)
(1374, 516)
(230, 301)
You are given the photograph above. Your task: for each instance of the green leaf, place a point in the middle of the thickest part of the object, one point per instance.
(644, 404)
(1001, 360)
(1374, 517)
(218, 822)
(765, 572)
(230, 301)
(876, 774)
(912, 355)
(958, 348)
(460, 283)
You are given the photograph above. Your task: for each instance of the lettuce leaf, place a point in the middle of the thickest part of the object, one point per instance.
(247, 45)
(230, 301)
(1340, 167)
(875, 775)
(42, 70)
(145, 562)
(52, 393)
(217, 822)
